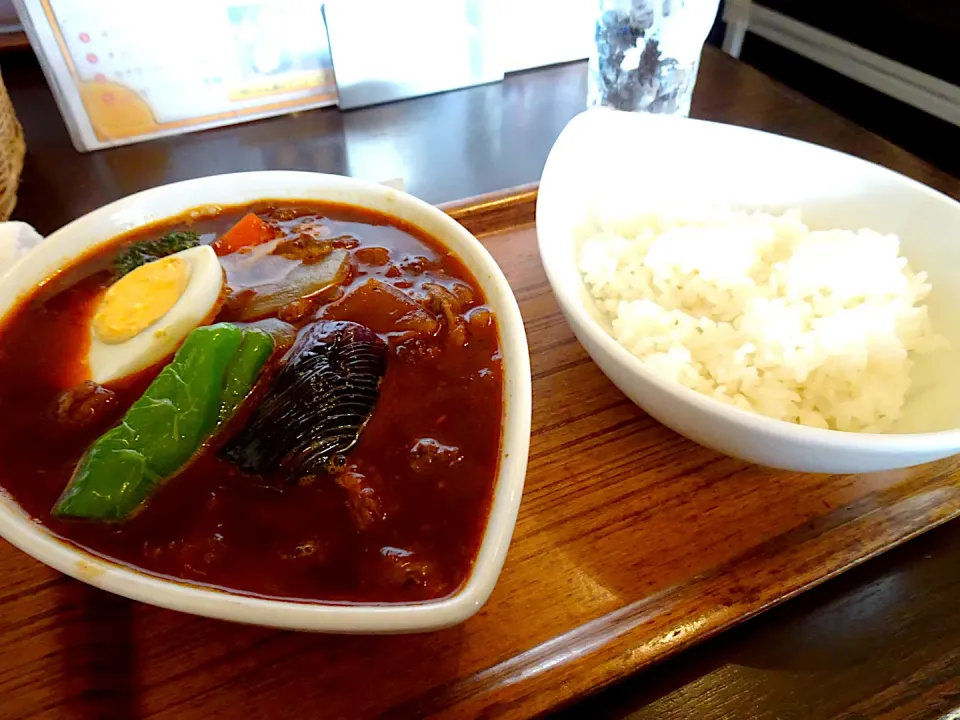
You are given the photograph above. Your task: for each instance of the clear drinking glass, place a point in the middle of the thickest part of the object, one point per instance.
(647, 53)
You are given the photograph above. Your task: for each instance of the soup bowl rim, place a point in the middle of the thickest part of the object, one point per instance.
(101, 226)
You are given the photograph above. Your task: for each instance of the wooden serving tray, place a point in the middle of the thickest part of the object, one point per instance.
(632, 543)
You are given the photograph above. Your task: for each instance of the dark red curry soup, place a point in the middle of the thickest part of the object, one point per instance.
(402, 517)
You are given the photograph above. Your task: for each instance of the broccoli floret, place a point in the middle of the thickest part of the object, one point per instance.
(140, 253)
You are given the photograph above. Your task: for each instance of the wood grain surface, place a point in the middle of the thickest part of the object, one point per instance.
(591, 551)
(631, 544)
(879, 642)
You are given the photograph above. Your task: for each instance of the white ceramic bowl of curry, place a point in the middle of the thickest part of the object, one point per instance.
(82, 238)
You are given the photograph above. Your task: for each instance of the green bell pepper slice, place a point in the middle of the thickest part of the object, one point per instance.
(211, 374)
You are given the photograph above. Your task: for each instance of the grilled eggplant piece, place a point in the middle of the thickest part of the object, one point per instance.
(318, 405)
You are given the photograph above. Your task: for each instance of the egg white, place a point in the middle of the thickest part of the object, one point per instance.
(154, 343)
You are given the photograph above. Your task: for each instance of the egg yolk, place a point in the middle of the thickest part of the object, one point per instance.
(140, 298)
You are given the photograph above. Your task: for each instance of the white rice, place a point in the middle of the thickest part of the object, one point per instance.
(756, 310)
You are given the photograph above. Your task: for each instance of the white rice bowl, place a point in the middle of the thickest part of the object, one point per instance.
(758, 311)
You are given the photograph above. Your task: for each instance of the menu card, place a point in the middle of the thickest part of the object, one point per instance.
(129, 70)
(125, 71)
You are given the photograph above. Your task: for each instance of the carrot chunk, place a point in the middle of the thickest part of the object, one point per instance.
(250, 230)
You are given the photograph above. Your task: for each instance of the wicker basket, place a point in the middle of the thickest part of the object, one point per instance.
(12, 149)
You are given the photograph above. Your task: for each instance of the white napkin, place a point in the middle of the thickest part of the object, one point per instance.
(16, 238)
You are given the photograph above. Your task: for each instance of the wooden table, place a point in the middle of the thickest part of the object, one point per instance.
(880, 639)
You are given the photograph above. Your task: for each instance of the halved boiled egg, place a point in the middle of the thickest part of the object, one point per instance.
(144, 316)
